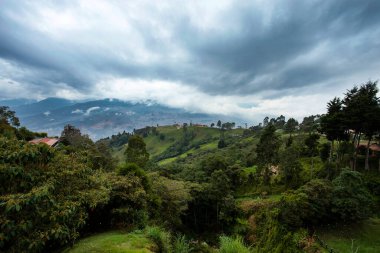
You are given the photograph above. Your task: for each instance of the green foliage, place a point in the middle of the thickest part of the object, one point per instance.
(127, 206)
(311, 143)
(290, 126)
(333, 123)
(170, 199)
(309, 205)
(136, 151)
(97, 153)
(267, 151)
(324, 152)
(45, 196)
(233, 245)
(352, 200)
(274, 236)
(181, 245)
(290, 167)
(222, 143)
(161, 237)
(132, 169)
(8, 117)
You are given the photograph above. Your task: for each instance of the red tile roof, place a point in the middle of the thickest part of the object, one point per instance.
(48, 141)
(374, 147)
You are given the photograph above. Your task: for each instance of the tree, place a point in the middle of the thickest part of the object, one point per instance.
(136, 151)
(310, 123)
(267, 151)
(371, 113)
(72, 136)
(266, 121)
(219, 124)
(351, 199)
(290, 126)
(362, 113)
(280, 122)
(45, 196)
(8, 121)
(290, 167)
(311, 143)
(8, 117)
(212, 124)
(222, 143)
(333, 123)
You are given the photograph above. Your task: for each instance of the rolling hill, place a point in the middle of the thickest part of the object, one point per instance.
(100, 118)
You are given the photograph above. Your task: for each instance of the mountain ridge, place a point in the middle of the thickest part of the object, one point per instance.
(104, 117)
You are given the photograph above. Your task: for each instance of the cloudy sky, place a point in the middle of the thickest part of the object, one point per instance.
(242, 58)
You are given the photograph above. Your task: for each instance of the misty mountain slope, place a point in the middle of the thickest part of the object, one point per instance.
(100, 118)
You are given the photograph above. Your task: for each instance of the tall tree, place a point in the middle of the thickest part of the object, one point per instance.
(8, 121)
(267, 151)
(266, 121)
(136, 151)
(290, 126)
(311, 143)
(290, 167)
(361, 110)
(280, 122)
(333, 123)
(8, 117)
(310, 124)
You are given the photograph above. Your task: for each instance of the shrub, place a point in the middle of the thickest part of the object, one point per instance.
(181, 245)
(351, 199)
(233, 245)
(161, 238)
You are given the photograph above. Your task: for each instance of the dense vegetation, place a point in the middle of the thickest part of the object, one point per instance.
(279, 186)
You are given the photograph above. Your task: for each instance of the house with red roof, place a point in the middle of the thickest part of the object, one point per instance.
(52, 142)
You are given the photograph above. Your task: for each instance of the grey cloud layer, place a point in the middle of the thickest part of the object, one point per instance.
(247, 47)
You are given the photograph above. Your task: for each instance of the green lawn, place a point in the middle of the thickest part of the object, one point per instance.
(114, 242)
(365, 235)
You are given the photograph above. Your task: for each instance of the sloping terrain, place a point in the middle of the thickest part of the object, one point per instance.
(100, 118)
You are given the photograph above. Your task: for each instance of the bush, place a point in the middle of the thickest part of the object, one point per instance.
(181, 245)
(233, 245)
(161, 238)
(351, 199)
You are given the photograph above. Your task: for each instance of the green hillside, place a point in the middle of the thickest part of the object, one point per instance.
(167, 137)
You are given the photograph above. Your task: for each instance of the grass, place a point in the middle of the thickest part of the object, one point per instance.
(114, 242)
(365, 235)
(248, 203)
(233, 245)
(181, 245)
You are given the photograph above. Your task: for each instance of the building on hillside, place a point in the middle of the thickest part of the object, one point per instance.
(374, 149)
(52, 142)
(200, 125)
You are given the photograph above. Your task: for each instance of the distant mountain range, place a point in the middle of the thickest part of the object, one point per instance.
(100, 118)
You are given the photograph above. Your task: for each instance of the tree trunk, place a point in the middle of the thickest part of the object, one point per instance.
(217, 213)
(356, 150)
(312, 167)
(367, 154)
(331, 150)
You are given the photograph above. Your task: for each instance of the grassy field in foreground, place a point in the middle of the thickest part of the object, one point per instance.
(114, 242)
(365, 236)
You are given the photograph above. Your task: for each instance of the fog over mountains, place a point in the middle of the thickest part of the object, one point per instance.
(100, 118)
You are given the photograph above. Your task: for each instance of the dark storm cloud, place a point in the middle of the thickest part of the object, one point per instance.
(253, 48)
(296, 28)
